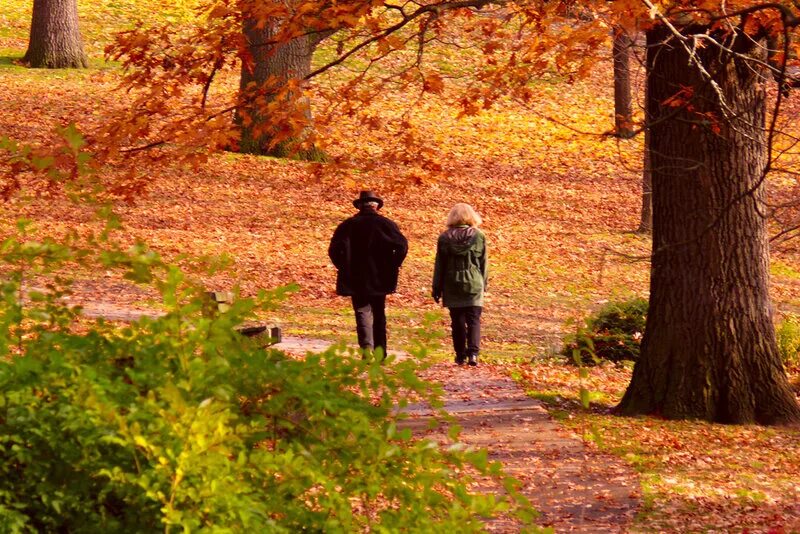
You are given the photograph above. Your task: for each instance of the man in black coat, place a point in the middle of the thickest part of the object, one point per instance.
(367, 250)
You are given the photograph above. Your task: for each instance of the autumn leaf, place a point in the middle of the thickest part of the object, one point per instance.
(433, 84)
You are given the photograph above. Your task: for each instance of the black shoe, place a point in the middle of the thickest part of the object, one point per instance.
(473, 360)
(460, 359)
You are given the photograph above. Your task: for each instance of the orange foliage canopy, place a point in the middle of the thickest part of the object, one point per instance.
(184, 79)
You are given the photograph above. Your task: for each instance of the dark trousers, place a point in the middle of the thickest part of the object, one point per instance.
(465, 324)
(371, 322)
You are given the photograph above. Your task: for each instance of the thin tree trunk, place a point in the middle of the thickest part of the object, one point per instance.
(623, 113)
(709, 349)
(623, 119)
(271, 68)
(646, 213)
(55, 40)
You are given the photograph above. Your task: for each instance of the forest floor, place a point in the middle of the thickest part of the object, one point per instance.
(559, 207)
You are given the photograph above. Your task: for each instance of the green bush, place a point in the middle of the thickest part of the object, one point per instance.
(612, 333)
(175, 423)
(788, 335)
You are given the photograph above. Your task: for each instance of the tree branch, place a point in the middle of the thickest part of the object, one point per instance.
(407, 18)
(144, 147)
(789, 19)
(207, 85)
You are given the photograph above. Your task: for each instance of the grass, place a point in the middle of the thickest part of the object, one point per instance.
(551, 398)
(8, 62)
(782, 269)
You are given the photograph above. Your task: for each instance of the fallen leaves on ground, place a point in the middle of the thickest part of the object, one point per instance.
(558, 208)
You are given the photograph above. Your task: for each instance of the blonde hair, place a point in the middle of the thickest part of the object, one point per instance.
(463, 214)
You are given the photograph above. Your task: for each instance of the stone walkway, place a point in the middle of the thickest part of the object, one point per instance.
(575, 487)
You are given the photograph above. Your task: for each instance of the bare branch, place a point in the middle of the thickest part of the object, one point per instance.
(407, 18)
(144, 147)
(207, 85)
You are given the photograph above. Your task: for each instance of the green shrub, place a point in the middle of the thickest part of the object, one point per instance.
(788, 335)
(174, 423)
(612, 333)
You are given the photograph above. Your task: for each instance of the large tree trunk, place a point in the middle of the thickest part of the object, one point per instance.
(623, 114)
(709, 349)
(271, 68)
(55, 40)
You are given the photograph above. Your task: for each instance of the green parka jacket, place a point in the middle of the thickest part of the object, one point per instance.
(461, 269)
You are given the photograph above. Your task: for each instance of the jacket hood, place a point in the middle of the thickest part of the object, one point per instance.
(460, 239)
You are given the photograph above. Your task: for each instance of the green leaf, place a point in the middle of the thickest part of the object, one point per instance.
(73, 137)
(585, 398)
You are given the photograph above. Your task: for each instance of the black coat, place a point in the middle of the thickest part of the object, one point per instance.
(367, 249)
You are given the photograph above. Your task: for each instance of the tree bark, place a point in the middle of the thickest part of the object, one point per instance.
(623, 114)
(646, 213)
(55, 40)
(623, 119)
(272, 67)
(709, 349)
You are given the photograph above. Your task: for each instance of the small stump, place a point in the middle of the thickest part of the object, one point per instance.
(257, 335)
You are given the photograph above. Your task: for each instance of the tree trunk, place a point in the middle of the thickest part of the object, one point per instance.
(709, 349)
(623, 114)
(55, 40)
(623, 119)
(646, 214)
(271, 68)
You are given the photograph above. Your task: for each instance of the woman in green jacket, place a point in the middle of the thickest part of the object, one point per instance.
(459, 279)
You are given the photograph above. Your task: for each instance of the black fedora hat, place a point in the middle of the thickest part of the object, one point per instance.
(367, 196)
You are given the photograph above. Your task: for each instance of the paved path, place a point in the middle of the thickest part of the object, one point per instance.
(577, 488)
